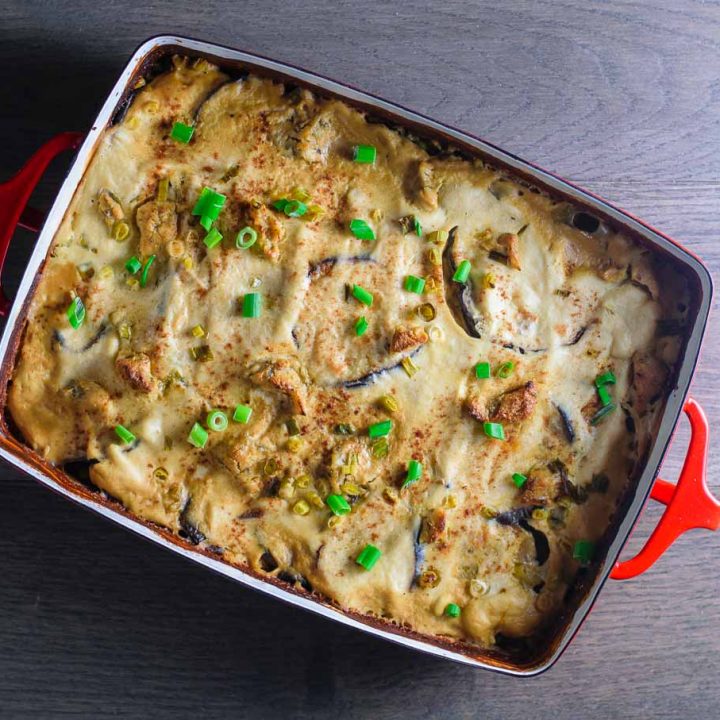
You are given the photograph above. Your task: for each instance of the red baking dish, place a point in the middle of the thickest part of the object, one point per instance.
(688, 504)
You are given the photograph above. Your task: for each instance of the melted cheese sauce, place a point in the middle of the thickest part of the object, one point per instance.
(562, 305)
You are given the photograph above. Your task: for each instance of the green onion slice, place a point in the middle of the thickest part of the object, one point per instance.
(607, 378)
(494, 430)
(361, 325)
(463, 272)
(417, 227)
(364, 154)
(414, 284)
(242, 414)
(76, 312)
(604, 395)
(519, 479)
(482, 370)
(583, 551)
(338, 504)
(380, 429)
(213, 238)
(198, 436)
(124, 434)
(182, 132)
(246, 238)
(280, 204)
(414, 472)
(217, 420)
(601, 413)
(505, 370)
(361, 230)
(368, 556)
(251, 305)
(209, 204)
(361, 294)
(145, 270)
(206, 222)
(452, 610)
(133, 265)
(294, 208)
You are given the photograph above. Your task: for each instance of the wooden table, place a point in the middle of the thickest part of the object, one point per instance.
(622, 97)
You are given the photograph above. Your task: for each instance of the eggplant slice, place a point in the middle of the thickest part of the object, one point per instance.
(459, 295)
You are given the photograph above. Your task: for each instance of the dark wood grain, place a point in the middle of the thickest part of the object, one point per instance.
(622, 97)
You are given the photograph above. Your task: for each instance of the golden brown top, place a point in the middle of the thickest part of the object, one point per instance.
(548, 307)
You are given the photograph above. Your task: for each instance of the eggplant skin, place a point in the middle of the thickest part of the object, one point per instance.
(374, 375)
(459, 295)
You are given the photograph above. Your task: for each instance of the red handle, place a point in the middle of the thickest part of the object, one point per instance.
(689, 503)
(15, 193)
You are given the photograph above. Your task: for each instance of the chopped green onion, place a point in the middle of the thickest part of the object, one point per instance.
(361, 294)
(409, 366)
(368, 556)
(414, 472)
(452, 610)
(344, 429)
(414, 284)
(124, 434)
(246, 238)
(505, 370)
(292, 427)
(242, 414)
(361, 230)
(364, 154)
(213, 238)
(482, 370)
(208, 206)
(389, 403)
(217, 420)
(519, 479)
(198, 436)
(583, 551)
(206, 221)
(494, 430)
(417, 227)
(361, 325)
(338, 504)
(607, 378)
(145, 270)
(380, 429)
(76, 312)
(380, 448)
(251, 305)
(604, 395)
(601, 413)
(438, 236)
(198, 331)
(463, 272)
(280, 204)
(181, 132)
(427, 312)
(133, 265)
(294, 208)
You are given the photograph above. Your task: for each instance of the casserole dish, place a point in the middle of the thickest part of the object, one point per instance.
(695, 276)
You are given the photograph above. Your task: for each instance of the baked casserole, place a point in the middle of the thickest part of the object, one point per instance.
(357, 361)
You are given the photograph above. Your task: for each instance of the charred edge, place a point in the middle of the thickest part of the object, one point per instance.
(372, 376)
(459, 295)
(295, 579)
(515, 516)
(188, 529)
(210, 95)
(568, 428)
(268, 563)
(542, 546)
(59, 338)
(324, 266)
(80, 470)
